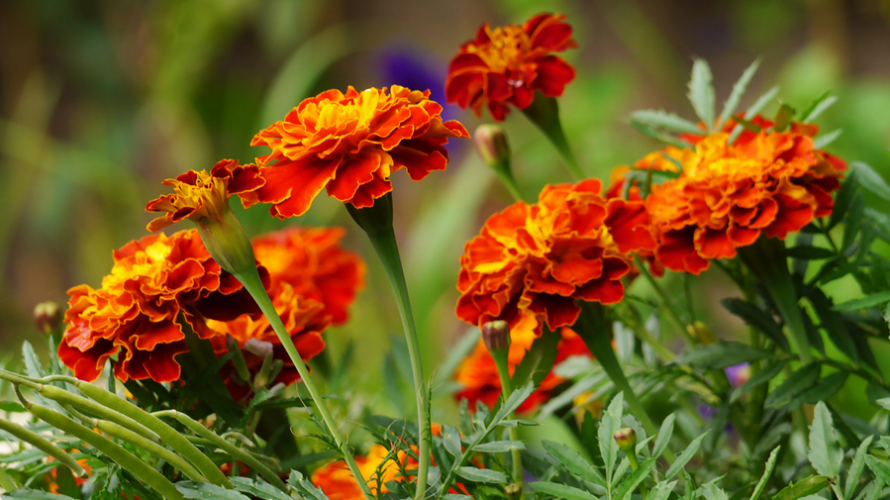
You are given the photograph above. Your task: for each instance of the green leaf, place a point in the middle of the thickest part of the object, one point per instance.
(855, 471)
(759, 319)
(659, 136)
(824, 140)
(871, 180)
(626, 488)
(884, 403)
(482, 475)
(662, 490)
(513, 402)
(451, 440)
(767, 473)
(738, 90)
(722, 355)
(818, 107)
(827, 387)
(33, 367)
(499, 446)
(753, 110)
(824, 453)
(797, 382)
(804, 487)
(664, 435)
(701, 92)
(763, 376)
(832, 322)
(844, 197)
(11, 407)
(574, 462)
(712, 492)
(685, 457)
(665, 120)
(562, 491)
(305, 488)
(609, 425)
(810, 253)
(207, 491)
(34, 495)
(783, 118)
(876, 300)
(880, 468)
(538, 360)
(259, 489)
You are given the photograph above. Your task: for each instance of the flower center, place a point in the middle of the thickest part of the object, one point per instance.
(505, 49)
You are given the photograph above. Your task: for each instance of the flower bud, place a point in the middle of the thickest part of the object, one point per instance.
(496, 335)
(48, 317)
(258, 347)
(491, 143)
(701, 333)
(626, 439)
(513, 491)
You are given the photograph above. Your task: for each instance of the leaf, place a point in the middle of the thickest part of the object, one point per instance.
(759, 319)
(853, 222)
(562, 491)
(767, 473)
(810, 253)
(802, 488)
(843, 199)
(870, 179)
(827, 387)
(482, 475)
(662, 490)
(884, 403)
(832, 322)
(626, 488)
(305, 488)
(259, 489)
(874, 300)
(451, 440)
(783, 118)
(685, 457)
(824, 453)
(538, 360)
(609, 425)
(763, 376)
(574, 462)
(499, 446)
(701, 92)
(881, 469)
(664, 435)
(659, 136)
(11, 407)
(797, 382)
(456, 355)
(513, 402)
(33, 367)
(738, 90)
(34, 495)
(755, 108)
(207, 491)
(825, 139)
(855, 471)
(722, 355)
(712, 492)
(818, 107)
(665, 120)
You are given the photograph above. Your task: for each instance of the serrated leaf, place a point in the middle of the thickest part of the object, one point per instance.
(804, 487)
(701, 92)
(513, 402)
(626, 488)
(482, 475)
(451, 441)
(662, 490)
(609, 425)
(875, 300)
(824, 389)
(757, 318)
(738, 90)
(685, 457)
(34, 495)
(33, 367)
(797, 382)
(767, 473)
(562, 491)
(665, 120)
(499, 446)
(818, 107)
(207, 491)
(824, 453)
(455, 496)
(574, 462)
(880, 468)
(722, 355)
(658, 135)
(871, 180)
(824, 140)
(664, 435)
(712, 492)
(259, 489)
(856, 467)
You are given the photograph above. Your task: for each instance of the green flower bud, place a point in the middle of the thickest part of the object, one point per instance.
(513, 491)
(627, 440)
(491, 143)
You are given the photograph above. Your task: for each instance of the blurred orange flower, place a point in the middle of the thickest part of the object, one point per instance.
(199, 194)
(338, 483)
(539, 259)
(350, 144)
(155, 283)
(507, 65)
(771, 183)
(478, 373)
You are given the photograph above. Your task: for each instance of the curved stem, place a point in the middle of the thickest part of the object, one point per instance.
(254, 286)
(503, 367)
(42, 444)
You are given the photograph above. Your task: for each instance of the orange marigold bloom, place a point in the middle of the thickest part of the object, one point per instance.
(199, 194)
(338, 483)
(773, 183)
(479, 375)
(539, 259)
(155, 283)
(350, 144)
(506, 65)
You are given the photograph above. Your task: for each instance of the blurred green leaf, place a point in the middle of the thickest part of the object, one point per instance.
(701, 92)
(797, 382)
(738, 90)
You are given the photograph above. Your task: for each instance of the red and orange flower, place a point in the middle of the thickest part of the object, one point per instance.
(507, 65)
(478, 373)
(337, 482)
(349, 144)
(539, 259)
(156, 283)
(771, 183)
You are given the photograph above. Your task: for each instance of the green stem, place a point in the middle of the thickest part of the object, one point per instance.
(42, 444)
(544, 112)
(505, 174)
(155, 449)
(377, 223)
(666, 304)
(634, 320)
(502, 363)
(254, 285)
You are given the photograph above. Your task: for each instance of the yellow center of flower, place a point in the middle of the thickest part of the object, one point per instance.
(342, 116)
(149, 262)
(505, 50)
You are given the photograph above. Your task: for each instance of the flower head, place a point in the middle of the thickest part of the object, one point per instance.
(350, 144)
(156, 283)
(337, 482)
(507, 65)
(771, 183)
(539, 259)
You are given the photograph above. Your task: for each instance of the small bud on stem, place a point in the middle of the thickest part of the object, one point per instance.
(627, 441)
(496, 335)
(48, 317)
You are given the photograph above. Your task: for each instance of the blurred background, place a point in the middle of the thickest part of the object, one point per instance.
(102, 100)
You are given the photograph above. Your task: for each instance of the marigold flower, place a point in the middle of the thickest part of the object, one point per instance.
(771, 183)
(350, 144)
(156, 283)
(478, 373)
(338, 483)
(539, 259)
(507, 65)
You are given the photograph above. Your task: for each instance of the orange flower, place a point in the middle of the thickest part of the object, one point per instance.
(338, 483)
(507, 65)
(312, 283)
(773, 183)
(201, 195)
(479, 375)
(539, 259)
(350, 144)
(155, 283)
(53, 476)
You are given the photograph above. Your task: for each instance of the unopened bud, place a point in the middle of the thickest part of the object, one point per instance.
(513, 491)
(259, 347)
(496, 335)
(48, 317)
(491, 143)
(626, 439)
(701, 333)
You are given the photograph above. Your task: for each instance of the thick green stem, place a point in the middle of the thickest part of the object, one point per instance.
(377, 223)
(503, 366)
(39, 442)
(544, 112)
(505, 174)
(155, 449)
(254, 285)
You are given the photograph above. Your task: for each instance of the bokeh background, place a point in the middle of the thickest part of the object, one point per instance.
(102, 100)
